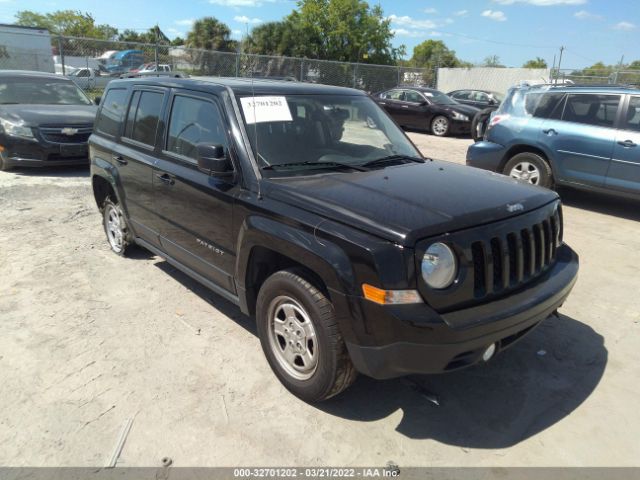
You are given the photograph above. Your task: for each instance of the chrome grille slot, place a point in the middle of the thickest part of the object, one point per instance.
(66, 134)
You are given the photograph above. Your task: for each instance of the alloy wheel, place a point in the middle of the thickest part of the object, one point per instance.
(526, 172)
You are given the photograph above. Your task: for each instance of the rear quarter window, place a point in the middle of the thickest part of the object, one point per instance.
(112, 111)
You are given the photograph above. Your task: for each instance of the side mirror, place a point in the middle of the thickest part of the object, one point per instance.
(96, 100)
(424, 103)
(213, 160)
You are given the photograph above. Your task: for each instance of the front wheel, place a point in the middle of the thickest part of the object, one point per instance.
(300, 337)
(530, 168)
(440, 126)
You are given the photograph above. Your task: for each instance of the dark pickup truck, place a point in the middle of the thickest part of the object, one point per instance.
(310, 209)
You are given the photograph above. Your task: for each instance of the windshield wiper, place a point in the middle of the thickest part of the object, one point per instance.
(320, 165)
(391, 159)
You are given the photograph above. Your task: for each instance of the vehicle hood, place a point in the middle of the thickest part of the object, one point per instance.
(35, 115)
(406, 203)
(467, 110)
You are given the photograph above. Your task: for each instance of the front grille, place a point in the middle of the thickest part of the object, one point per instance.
(56, 134)
(512, 258)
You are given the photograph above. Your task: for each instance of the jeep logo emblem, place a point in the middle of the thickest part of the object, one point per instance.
(514, 207)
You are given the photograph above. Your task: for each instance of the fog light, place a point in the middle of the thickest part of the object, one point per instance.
(488, 353)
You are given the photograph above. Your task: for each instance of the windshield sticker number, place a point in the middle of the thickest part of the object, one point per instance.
(265, 109)
(427, 94)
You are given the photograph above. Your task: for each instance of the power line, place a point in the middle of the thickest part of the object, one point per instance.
(554, 47)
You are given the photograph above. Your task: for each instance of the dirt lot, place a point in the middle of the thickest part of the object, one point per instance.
(89, 340)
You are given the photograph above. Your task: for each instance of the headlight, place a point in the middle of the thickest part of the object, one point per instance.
(459, 116)
(16, 129)
(439, 266)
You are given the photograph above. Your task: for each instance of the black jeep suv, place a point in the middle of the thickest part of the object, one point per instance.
(309, 208)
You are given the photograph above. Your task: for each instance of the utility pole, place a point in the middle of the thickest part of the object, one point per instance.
(615, 80)
(559, 63)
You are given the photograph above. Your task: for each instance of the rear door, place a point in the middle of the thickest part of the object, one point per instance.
(582, 136)
(624, 172)
(136, 156)
(195, 209)
(392, 102)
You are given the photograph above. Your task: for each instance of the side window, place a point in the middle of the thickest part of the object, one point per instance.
(413, 96)
(193, 121)
(143, 117)
(112, 111)
(547, 105)
(395, 95)
(481, 97)
(633, 115)
(461, 95)
(83, 73)
(598, 110)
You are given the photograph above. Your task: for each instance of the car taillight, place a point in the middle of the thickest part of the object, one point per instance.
(496, 119)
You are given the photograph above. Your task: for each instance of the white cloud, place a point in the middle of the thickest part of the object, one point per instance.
(626, 26)
(542, 3)
(430, 10)
(245, 19)
(435, 34)
(240, 3)
(496, 15)
(407, 21)
(461, 13)
(584, 15)
(403, 32)
(187, 22)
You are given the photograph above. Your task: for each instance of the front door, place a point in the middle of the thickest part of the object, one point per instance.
(624, 172)
(195, 209)
(582, 140)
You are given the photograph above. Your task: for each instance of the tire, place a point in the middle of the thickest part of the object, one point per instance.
(479, 124)
(115, 227)
(531, 168)
(296, 317)
(440, 126)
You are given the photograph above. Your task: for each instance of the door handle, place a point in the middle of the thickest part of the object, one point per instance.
(382, 103)
(166, 178)
(549, 131)
(120, 159)
(405, 106)
(627, 143)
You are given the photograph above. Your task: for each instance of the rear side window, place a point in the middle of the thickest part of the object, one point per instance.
(461, 95)
(143, 117)
(112, 111)
(193, 121)
(633, 115)
(598, 110)
(395, 95)
(415, 97)
(548, 105)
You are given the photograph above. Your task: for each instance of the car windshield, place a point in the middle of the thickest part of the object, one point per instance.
(306, 134)
(439, 98)
(498, 96)
(41, 92)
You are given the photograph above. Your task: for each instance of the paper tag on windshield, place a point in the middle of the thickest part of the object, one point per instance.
(265, 109)
(428, 94)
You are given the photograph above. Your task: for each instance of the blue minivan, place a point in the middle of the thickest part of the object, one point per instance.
(579, 136)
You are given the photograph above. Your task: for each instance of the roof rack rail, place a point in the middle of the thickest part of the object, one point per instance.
(581, 85)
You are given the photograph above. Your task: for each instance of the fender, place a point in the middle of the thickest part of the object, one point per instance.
(104, 169)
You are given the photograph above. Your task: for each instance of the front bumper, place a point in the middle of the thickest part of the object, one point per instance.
(40, 153)
(486, 155)
(426, 343)
(460, 127)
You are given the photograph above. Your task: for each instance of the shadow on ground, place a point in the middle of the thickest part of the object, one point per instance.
(601, 203)
(523, 391)
(53, 172)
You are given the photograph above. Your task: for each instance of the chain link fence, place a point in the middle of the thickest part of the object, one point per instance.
(591, 76)
(92, 63)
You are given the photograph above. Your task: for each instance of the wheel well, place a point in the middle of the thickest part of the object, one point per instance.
(102, 189)
(515, 150)
(263, 263)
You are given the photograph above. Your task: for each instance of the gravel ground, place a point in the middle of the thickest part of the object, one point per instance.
(89, 340)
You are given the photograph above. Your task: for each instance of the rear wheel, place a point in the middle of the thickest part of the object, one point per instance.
(115, 227)
(300, 337)
(440, 126)
(530, 168)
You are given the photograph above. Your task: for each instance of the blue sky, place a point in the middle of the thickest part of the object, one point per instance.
(515, 30)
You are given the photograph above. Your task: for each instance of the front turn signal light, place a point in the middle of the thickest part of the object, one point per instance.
(390, 297)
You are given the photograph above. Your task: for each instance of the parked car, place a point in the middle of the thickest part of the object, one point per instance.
(427, 109)
(45, 120)
(87, 78)
(123, 61)
(152, 67)
(478, 98)
(585, 137)
(307, 207)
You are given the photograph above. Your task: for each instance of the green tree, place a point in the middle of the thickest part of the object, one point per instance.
(210, 34)
(433, 53)
(536, 63)
(150, 36)
(269, 39)
(66, 22)
(492, 61)
(177, 42)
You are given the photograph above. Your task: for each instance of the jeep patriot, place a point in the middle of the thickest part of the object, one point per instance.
(310, 209)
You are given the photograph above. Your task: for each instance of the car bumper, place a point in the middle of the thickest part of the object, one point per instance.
(486, 155)
(39, 153)
(424, 344)
(459, 127)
